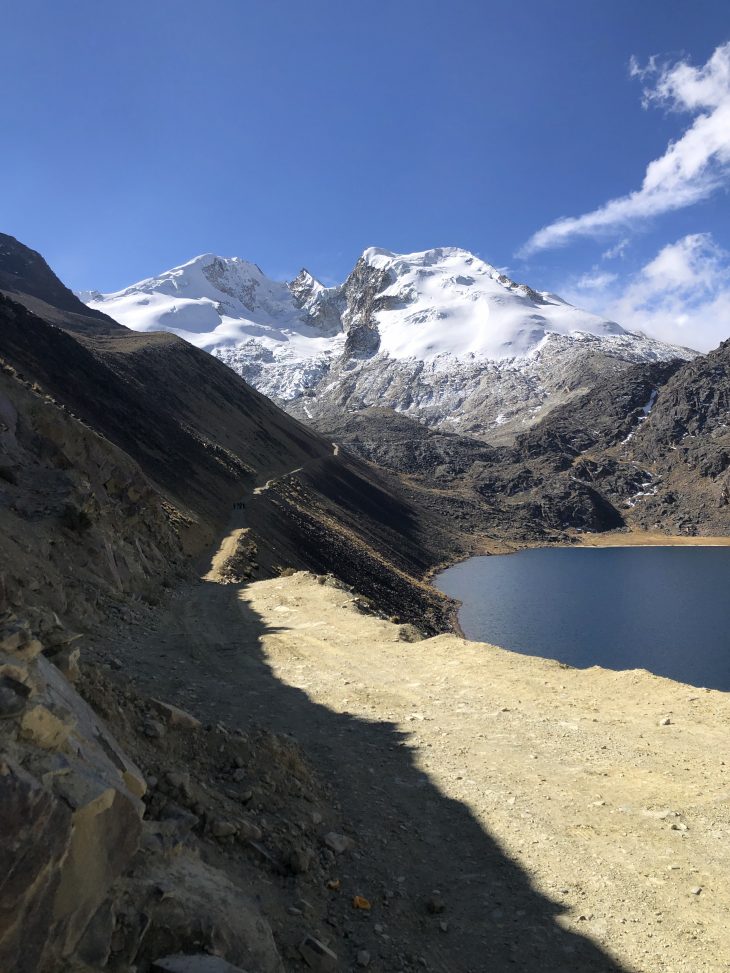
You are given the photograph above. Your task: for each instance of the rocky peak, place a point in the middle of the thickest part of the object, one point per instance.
(304, 287)
(236, 278)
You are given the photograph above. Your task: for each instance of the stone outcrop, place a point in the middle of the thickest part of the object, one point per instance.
(70, 809)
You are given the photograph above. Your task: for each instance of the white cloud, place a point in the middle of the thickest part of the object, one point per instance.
(691, 169)
(681, 296)
(595, 280)
(618, 250)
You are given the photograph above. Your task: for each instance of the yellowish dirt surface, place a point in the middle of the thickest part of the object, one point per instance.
(609, 791)
(560, 819)
(224, 554)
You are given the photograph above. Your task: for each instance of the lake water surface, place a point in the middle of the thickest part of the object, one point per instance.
(665, 609)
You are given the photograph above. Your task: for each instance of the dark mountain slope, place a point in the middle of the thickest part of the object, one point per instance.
(206, 439)
(26, 277)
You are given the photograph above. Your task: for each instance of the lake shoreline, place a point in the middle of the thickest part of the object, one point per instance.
(546, 604)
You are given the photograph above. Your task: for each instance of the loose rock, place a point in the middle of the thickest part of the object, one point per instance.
(339, 843)
(300, 860)
(174, 716)
(153, 729)
(222, 828)
(317, 956)
(435, 905)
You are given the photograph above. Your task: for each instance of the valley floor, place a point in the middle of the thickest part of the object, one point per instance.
(507, 812)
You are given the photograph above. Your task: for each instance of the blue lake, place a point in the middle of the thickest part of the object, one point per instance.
(665, 609)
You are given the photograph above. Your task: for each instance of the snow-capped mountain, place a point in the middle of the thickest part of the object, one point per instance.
(440, 335)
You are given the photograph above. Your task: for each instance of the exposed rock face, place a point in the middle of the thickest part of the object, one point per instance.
(362, 298)
(188, 904)
(493, 401)
(70, 812)
(694, 405)
(36, 830)
(320, 306)
(68, 496)
(84, 876)
(686, 442)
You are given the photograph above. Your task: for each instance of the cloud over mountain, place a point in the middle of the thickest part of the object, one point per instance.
(681, 296)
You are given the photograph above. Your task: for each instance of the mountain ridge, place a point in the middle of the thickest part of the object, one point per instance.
(440, 334)
(26, 277)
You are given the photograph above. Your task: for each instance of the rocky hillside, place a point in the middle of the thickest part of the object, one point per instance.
(686, 443)
(647, 450)
(440, 336)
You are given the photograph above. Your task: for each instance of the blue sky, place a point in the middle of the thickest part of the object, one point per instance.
(137, 135)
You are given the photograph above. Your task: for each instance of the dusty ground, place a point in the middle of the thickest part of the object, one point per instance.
(641, 538)
(560, 825)
(618, 818)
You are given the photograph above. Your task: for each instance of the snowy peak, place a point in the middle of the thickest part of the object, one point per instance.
(211, 301)
(209, 277)
(447, 301)
(305, 287)
(439, 334)
(426, 305)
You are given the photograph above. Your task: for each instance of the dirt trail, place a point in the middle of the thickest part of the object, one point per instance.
(236, 528)
(562, 825)
(257, 491)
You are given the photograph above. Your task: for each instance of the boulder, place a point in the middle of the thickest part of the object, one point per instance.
(339, 843)
(36, 830)
(191, 908)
